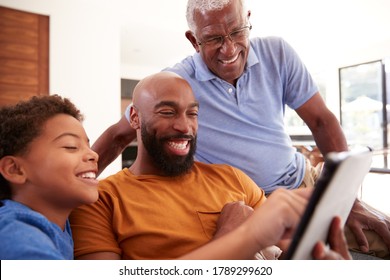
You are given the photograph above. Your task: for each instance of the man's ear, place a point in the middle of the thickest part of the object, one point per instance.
(11, 170)
(191, 37)
(134, 118)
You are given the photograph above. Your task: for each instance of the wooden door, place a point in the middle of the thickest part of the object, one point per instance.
(24, 55)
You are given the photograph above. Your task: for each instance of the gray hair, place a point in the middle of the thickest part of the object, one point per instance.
(205, 6)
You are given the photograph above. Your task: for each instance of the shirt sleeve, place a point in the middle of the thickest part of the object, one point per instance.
(92, 227)
(255, 196)
(127, 111)
(300, 86)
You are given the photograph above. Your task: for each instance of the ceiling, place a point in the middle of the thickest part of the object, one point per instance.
(152, 31)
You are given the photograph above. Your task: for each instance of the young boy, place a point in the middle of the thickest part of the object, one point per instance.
(47, 168)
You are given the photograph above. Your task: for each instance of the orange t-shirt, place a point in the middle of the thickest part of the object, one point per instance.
(157, 217)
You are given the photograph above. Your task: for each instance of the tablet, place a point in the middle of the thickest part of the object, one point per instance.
(334, 194)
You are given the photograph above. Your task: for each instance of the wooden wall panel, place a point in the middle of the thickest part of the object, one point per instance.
(24, 55)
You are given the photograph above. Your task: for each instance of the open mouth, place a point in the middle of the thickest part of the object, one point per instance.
(87, 175)
(230, 61)
(179, 147)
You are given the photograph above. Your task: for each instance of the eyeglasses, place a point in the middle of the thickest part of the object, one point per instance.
(235, 36)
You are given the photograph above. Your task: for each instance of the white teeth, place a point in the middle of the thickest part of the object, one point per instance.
(88, 175)
(178, 145)
(230, 61)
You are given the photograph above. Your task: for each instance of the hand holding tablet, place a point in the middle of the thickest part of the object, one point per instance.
(335, 192)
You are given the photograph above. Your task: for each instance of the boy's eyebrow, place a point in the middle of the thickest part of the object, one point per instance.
(68, 134)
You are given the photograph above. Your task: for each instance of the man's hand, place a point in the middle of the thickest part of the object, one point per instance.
(365, 217)
(274, 220)
(338, 247)
(232, 215)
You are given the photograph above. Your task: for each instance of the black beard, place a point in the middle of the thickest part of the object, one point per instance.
(169, 164)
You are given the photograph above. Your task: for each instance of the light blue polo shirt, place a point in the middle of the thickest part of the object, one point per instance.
(243, 126)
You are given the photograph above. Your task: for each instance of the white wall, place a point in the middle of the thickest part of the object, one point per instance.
(84, 58)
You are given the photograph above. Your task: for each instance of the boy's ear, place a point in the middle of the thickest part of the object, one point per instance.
(134, 118)
(11, 170)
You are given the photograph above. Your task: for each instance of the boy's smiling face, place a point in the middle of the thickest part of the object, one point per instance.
(59, 166)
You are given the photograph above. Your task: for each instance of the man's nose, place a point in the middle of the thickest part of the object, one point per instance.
(228, 45)
(182, 124)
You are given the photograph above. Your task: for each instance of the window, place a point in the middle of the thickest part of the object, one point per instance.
(364, 107)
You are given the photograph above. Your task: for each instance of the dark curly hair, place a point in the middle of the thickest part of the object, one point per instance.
(22, 123)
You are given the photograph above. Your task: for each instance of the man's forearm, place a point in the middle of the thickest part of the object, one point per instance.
(329, 137)
(108, 150)
(112, 142)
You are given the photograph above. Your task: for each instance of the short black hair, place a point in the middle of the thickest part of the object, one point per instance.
(20, 124)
